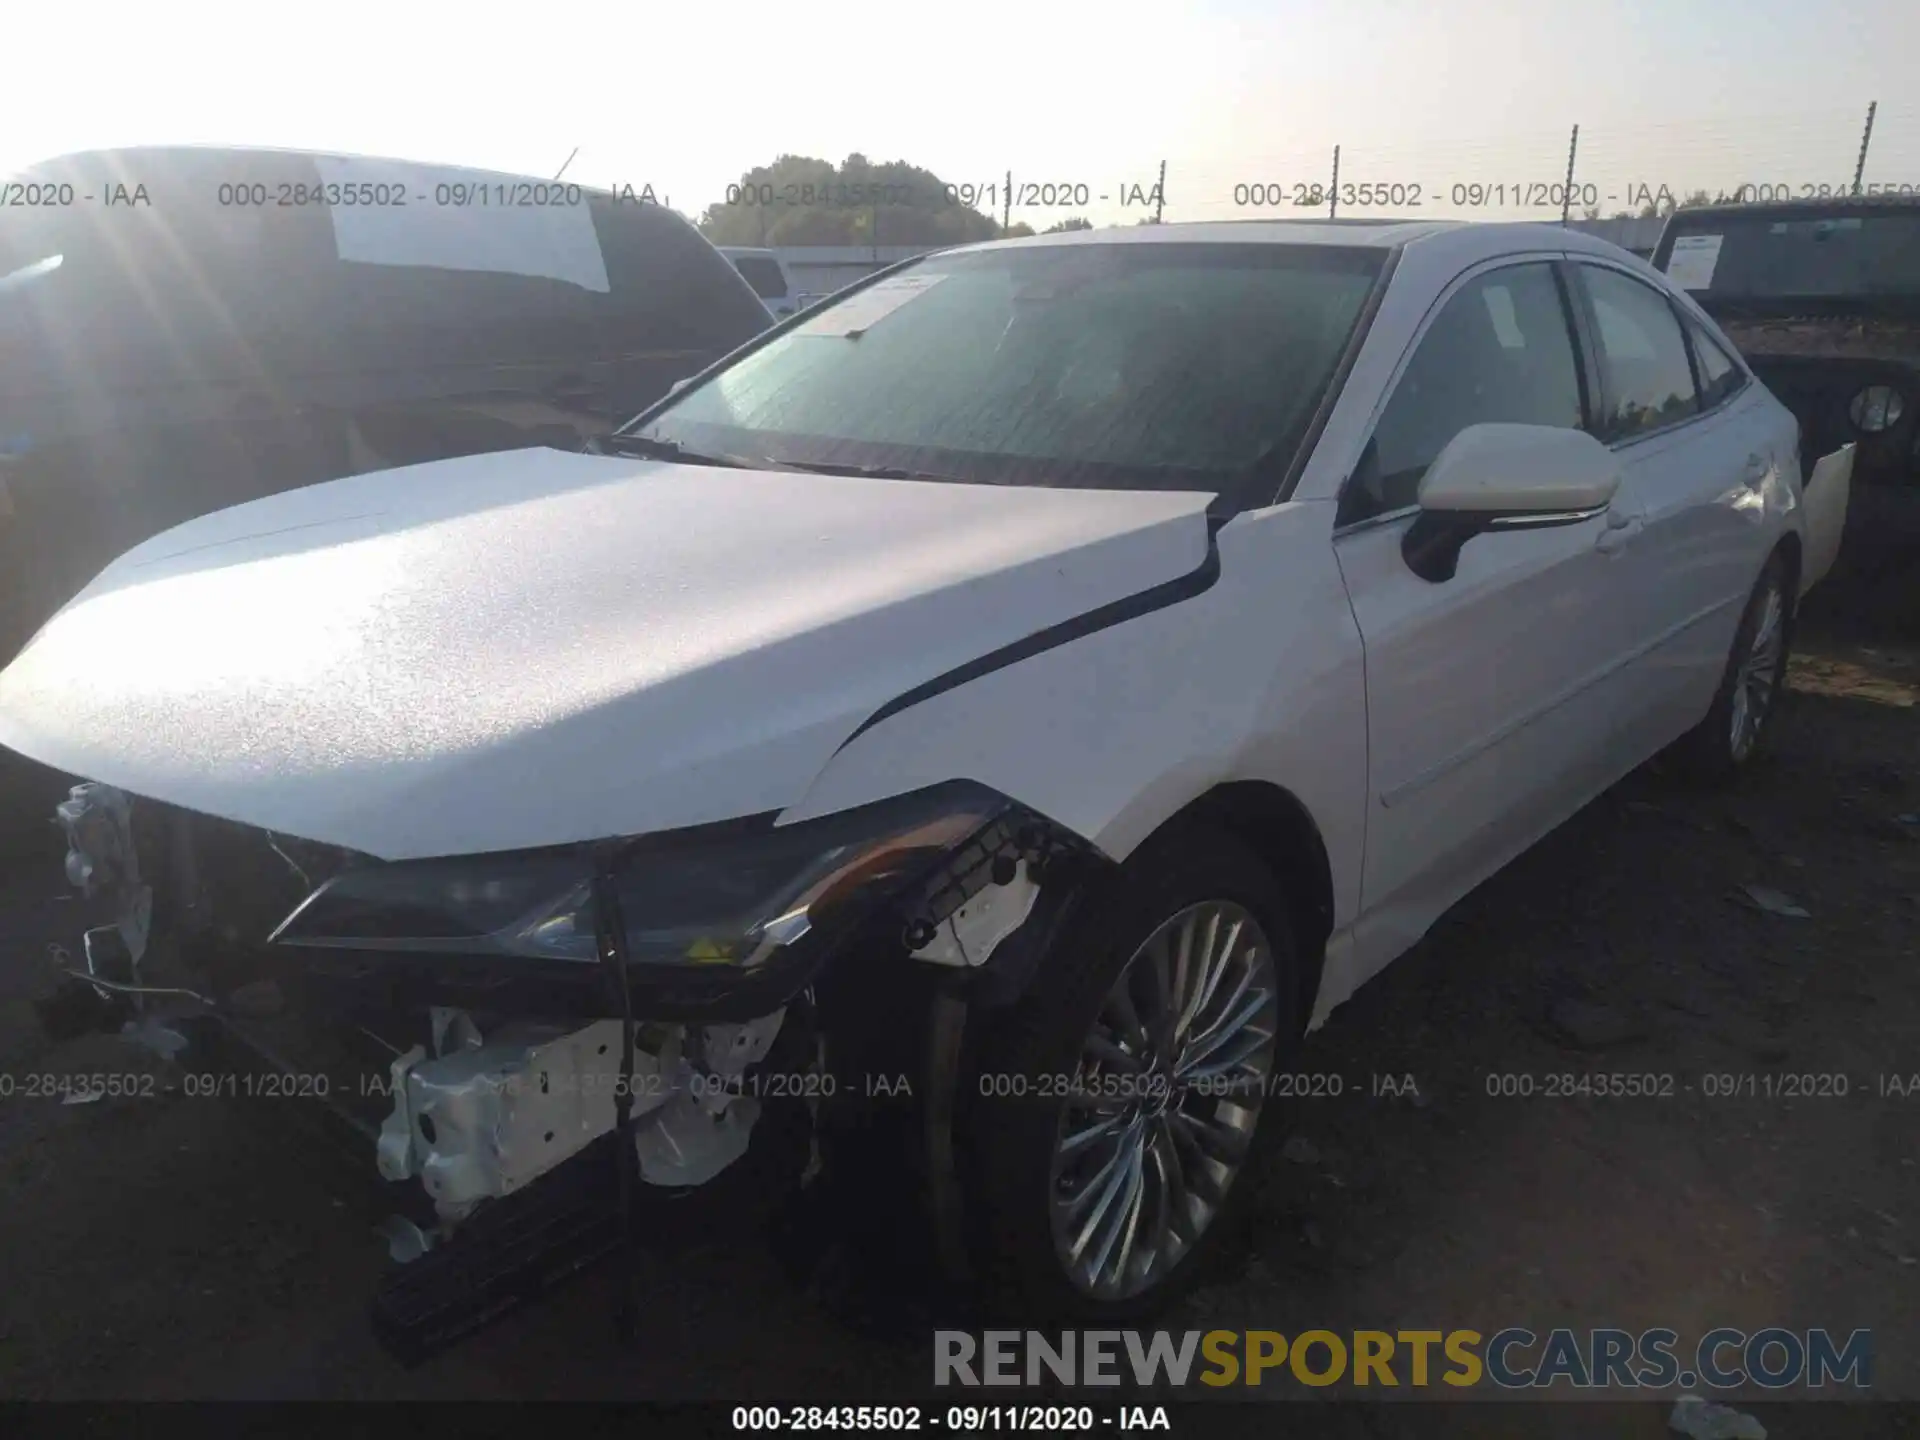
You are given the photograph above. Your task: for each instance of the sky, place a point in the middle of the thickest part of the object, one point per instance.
(1442, 95)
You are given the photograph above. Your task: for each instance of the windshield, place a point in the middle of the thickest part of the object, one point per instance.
(1774, 258)
(1119, 366)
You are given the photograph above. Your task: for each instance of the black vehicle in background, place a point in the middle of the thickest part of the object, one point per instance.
(184, 329)
(1822, 297)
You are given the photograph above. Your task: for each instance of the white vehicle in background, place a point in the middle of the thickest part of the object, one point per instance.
(1050, 677)
(767, 274)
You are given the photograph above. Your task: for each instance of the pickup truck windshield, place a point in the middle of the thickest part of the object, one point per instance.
(1772, 258)
(1105, 366)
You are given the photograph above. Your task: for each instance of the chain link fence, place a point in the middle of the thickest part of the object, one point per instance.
(1571, 173)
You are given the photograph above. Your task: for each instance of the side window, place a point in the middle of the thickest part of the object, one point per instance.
(1499, 351)
(1720, 378)
(1643, 354)
(671, 289)
(763, 273)
(431, 286)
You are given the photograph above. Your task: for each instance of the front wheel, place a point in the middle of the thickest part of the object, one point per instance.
(1115, 1109)
(1742, 712)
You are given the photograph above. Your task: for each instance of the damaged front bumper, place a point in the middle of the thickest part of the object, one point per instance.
(484, 1117)
(488, 1077)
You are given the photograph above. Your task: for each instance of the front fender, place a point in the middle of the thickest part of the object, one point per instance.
(1109, 733)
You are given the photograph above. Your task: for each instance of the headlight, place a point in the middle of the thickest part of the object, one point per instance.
(712, 896)
(1876, 408)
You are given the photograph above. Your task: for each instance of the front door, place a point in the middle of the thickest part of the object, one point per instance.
(1489, 694)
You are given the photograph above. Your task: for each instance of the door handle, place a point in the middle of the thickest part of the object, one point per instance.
(1621, 528)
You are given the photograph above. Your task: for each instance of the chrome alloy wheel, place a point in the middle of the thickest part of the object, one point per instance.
(1161, 1112)
(1758, 676)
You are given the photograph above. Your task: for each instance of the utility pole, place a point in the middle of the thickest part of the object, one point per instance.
(1160, 193)
(563, 168)
(1333, 190)
(1860, 165)
(1566, 199)
(1006, 212)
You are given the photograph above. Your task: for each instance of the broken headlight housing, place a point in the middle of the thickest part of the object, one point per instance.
(728, 895)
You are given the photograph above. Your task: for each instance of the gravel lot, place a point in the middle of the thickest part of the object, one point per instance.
(172, 1247)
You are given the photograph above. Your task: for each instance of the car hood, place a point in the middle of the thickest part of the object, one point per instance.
(535, 648)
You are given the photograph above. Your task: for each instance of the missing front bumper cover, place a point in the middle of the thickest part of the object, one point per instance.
(480, 1121)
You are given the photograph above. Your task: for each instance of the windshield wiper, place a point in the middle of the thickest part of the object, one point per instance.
(646, 447)
(649, 448)
(869, 472)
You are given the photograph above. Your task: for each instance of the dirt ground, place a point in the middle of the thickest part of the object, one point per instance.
(163, 1248)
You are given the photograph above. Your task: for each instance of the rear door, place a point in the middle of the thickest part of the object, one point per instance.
(1698, 454)
(1489, 695)
(1825, 486)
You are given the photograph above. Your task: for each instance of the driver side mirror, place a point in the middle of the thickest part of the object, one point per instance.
(1497, 477)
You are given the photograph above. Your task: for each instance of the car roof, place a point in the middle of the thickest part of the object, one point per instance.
(1466, 240)
(1370, 234)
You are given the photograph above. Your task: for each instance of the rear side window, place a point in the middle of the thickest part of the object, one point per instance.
(473, 269)
(1643, 356)
(1499, 351)
(672, 290)
(763, 274)
(1720, 378)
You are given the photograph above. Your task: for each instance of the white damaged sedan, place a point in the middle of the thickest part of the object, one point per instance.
(967, 737)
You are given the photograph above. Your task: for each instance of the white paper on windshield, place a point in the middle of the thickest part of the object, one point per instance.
(859, 313)
(1692, 262)
(545, 241)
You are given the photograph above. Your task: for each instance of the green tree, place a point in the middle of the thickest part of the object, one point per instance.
(800, 200)
(1696, 197)
(1072, 222)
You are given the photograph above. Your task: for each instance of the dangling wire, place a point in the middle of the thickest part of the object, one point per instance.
(611, 940)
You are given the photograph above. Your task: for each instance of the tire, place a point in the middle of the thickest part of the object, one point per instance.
(1713, 751)
(1019, 1105)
